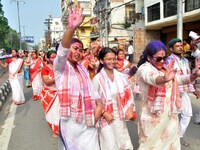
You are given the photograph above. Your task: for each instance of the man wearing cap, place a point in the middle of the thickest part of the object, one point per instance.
(195, 43)
(183, 74)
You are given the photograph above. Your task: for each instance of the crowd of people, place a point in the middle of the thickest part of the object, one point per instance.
(88, 94)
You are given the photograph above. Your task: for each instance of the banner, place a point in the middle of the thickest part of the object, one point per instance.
(27, 39)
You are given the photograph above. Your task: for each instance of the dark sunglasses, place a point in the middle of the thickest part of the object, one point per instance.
(159, 59)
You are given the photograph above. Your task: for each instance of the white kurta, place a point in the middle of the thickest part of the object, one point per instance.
(114, 136)
(156, 132)
(73, 135)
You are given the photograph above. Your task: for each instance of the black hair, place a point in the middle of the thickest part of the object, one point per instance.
(16, 52)
(152, 48)
(119, 50)
(102, 54)
(50, 52)
(75, 40)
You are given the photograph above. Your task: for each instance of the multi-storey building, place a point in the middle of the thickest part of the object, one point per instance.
(56, 30)
(118, 17)
(42, 44)
(159, 21)
(84, 30)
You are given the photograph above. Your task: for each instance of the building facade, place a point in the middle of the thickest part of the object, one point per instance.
(159, 19)
(83, 32)
(56, 29)
(115, 21)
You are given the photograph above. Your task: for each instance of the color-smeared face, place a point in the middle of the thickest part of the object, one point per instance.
(14, 53)
(109, 61)
(121, 55)
(76, 52)
(158, 59)
(34, 55)
(52, 58)
(178, 48)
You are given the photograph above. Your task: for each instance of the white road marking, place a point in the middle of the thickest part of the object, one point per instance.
(7, 128)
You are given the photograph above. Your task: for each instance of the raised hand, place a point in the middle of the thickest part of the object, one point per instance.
(170, 71)
(75, 17)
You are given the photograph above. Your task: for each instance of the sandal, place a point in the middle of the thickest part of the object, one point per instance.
(184, 142)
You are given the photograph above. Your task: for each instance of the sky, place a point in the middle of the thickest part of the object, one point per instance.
(32, 15)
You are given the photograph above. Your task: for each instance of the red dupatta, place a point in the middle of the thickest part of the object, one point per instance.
(35, 70)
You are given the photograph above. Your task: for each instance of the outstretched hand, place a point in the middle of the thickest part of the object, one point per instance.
(75, 17)
(170, 71)
(197, 67)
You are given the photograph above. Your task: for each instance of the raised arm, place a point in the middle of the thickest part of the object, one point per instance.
(75, 19)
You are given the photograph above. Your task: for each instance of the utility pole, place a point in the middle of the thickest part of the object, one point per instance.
(180, 19)
(106, 23)
(24, 35)
(100, 26)
(18, 1)
(48, 22)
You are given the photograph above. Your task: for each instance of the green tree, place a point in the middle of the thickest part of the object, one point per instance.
(12, 40)
(4, 28)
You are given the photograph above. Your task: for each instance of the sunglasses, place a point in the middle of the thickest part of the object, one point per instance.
(159, 59)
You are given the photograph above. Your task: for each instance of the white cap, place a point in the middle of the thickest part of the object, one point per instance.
(194, 35)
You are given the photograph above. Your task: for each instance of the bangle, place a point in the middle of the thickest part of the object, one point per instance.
(103, 112)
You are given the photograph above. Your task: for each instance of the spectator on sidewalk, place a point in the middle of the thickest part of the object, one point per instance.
(130, 52)
(186, 49)
(80, 105)
(16, 77)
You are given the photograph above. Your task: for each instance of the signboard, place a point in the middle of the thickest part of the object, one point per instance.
(27, 39)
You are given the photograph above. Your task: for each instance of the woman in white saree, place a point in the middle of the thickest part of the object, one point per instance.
(16, 77)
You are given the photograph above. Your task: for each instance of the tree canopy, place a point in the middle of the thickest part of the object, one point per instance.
(9, 38)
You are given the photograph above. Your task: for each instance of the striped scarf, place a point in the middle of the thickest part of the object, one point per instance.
(157, 96)
(183, 70)
(74, 95)
(124, 95)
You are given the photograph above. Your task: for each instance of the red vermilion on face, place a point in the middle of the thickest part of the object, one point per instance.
(14, 53)
(158, 64)
(109, 61)
(76, 52)
(52, 57)
(121, 55)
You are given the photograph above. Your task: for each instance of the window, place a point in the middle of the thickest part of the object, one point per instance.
(153, 12)
(85, 5)
(170, 8)
(82, 30)
(192, 5)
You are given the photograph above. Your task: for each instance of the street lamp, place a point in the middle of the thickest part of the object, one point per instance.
(18, 1)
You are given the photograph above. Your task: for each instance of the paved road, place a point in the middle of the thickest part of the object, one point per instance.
(24, 127)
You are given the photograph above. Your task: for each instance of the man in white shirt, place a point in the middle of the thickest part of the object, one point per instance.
(195, 44)
(195, 53)
(130, 52)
